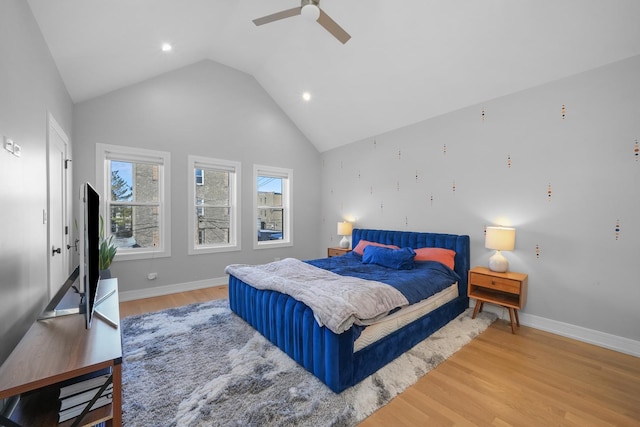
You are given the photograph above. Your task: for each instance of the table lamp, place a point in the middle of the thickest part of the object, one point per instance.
(500, 239)
(344, 230)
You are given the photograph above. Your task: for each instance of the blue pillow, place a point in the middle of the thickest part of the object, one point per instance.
(399, 259)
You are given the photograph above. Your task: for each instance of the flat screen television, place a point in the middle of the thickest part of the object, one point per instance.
(89, 248)
(87, 273)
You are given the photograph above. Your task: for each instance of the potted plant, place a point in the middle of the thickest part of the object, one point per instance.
(107, 251)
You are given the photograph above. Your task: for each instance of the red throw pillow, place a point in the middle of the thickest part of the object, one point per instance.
(445, 256)
(359, 249)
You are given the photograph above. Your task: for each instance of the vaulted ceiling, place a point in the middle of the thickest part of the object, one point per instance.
(407, 60)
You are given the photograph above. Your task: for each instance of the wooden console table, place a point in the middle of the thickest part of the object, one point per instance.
(60, 349)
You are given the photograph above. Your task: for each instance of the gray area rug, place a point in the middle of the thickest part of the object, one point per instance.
(201, 365)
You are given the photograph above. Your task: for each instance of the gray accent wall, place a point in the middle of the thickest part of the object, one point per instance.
(30, 89)
(206, 109)
(568, 180)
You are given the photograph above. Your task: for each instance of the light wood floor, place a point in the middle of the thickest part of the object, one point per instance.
(148, 305)
(530, 379)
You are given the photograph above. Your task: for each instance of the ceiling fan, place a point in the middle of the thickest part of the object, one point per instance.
(309, 9)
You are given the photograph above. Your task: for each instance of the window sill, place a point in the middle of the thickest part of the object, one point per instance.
(213, 250)
(130, 256)
(269, 244)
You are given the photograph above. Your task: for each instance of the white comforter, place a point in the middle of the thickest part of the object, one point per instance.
(337, 301)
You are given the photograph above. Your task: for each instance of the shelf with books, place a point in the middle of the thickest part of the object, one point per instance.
(83, 383)
(74, 411)
(84, 395)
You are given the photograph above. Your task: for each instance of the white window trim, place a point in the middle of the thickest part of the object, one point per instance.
(287, 204)
(234, 220)
(103, 152)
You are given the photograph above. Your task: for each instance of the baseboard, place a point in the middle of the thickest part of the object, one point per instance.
(601, 339)
(591, 336)
(172, 289)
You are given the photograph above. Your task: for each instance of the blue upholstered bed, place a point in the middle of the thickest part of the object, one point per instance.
(290, 324)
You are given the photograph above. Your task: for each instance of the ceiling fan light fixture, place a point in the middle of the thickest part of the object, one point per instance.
(310, 11)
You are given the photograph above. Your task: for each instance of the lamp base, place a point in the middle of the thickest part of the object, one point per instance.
(344, 243)
(498, 263)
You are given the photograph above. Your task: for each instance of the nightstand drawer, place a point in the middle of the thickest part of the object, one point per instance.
(337, 251)
(497, 283)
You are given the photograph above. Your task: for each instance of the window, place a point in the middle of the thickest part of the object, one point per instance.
(272, 206)
(214, 191)
(135, 200)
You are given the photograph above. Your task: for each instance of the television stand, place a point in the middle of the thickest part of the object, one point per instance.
(61, 349)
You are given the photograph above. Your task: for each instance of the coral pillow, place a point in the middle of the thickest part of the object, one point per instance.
(444, 256)
(359, 249)
(399, 259)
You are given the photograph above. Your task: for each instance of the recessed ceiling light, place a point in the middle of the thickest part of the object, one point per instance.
(306, 96)
(166, 47)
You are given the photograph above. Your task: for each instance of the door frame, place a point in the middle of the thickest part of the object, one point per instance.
(54, 127)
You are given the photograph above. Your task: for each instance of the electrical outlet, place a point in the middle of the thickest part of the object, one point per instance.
(17, 150)
(152, 276)
(8, 144)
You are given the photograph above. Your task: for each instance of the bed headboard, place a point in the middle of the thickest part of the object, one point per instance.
(411, 239)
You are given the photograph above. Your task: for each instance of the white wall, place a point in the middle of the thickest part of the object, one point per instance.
(205, 109)
(30, 87)
(580, 272)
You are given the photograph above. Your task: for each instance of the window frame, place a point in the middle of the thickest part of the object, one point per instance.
(107, 152)
(200, 162)
(287, 206)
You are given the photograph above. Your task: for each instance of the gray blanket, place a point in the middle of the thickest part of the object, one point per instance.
(337, 301)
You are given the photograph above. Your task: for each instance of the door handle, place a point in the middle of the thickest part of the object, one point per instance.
(55, 251)
(75, 245)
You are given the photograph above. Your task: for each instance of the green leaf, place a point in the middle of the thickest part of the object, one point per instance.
(107, 248)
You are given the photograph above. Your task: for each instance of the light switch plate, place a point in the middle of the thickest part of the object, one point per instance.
(17, 150)
(8, 144)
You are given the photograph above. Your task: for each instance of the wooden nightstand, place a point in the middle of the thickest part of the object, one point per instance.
(508, 290)
(337, 251)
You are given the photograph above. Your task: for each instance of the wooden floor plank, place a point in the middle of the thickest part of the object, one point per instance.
(148, 305)
(531, 378)
(572, 382)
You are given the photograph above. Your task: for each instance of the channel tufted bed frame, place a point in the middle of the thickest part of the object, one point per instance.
(290, 324)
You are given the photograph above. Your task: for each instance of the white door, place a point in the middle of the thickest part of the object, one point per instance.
(59, 176)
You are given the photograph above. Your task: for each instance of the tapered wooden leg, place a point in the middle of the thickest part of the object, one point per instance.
(511, 316)
(477, 309)
(517, 318)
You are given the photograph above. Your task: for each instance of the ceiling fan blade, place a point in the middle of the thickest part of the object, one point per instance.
(277, 16)
(331, 26)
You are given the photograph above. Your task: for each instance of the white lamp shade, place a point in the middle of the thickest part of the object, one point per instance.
(500, 238)
(345, 228)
